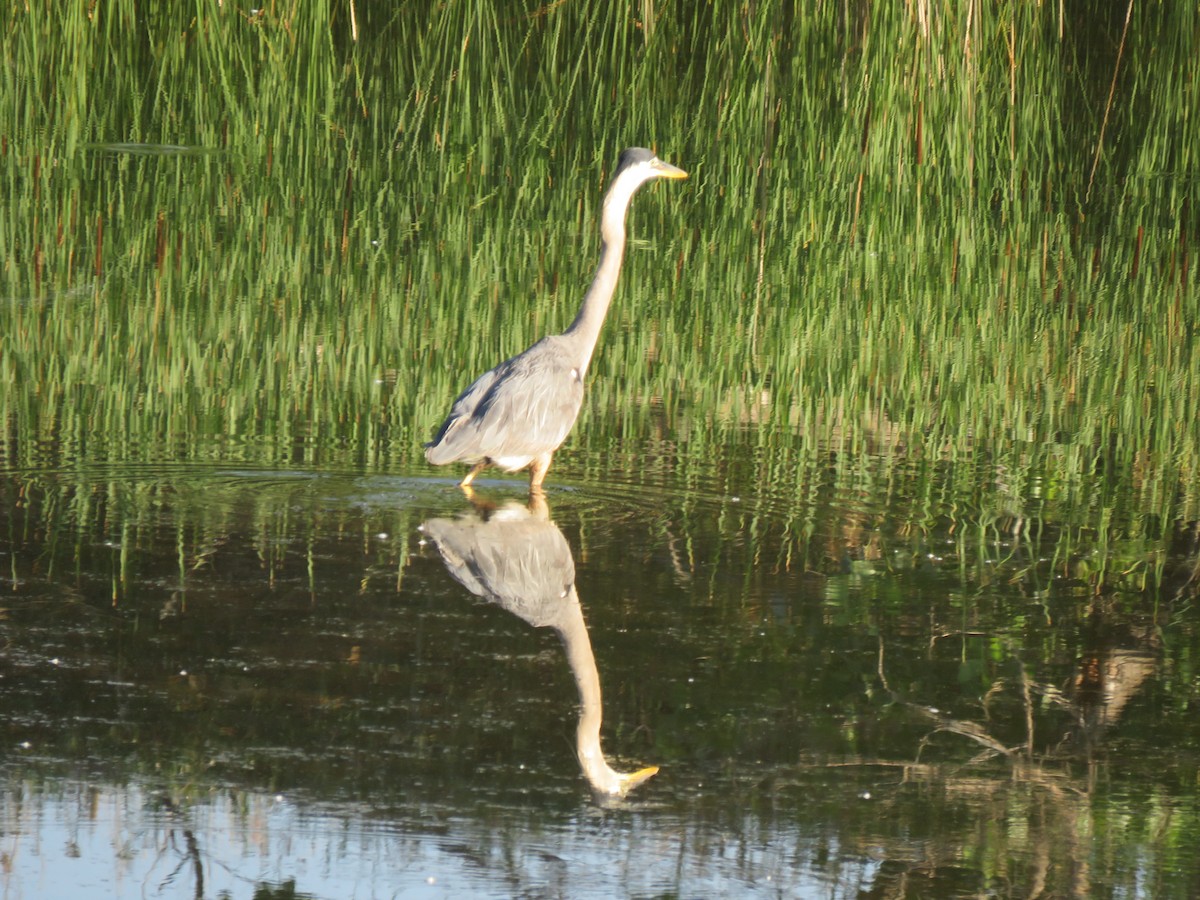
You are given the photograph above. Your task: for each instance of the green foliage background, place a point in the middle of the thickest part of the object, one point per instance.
(289, 234)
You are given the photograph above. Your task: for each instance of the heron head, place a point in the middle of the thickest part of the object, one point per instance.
(639, 164)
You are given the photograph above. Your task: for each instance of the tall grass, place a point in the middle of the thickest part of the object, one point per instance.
(251, 227)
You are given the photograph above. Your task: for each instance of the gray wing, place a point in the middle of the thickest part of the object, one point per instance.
(525, 406)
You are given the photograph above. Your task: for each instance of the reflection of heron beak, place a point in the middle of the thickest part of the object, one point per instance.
(612, 785)
(633, 779)
(666, 170)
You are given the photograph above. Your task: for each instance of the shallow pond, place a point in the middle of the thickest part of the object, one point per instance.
(226, 680)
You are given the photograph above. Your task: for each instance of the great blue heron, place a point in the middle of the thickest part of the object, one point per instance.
(516, 415)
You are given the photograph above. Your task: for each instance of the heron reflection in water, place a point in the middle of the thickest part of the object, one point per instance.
(517, 558)
(516, 415)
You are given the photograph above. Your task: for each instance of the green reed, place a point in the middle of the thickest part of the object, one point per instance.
(893, 240)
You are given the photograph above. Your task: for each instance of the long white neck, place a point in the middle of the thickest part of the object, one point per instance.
(586, 327)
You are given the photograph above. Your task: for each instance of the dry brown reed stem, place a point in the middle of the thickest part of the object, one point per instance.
(99, 246)
(1108, 104)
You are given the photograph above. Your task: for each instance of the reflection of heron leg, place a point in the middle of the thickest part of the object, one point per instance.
(475, 470)
(537, 471)
(538, 507)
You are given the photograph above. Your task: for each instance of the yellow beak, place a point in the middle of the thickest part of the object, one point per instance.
(666, 170)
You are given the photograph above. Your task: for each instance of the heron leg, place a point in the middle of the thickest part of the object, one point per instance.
(475, 470)
(537, 471)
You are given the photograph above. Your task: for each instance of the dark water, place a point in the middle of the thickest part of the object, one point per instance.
(228, 681)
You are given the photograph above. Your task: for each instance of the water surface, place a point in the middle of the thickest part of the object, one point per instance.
(221, 679)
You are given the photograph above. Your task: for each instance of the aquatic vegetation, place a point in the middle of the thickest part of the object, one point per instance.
(943, 233)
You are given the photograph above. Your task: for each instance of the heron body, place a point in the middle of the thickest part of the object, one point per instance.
(516, 415)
